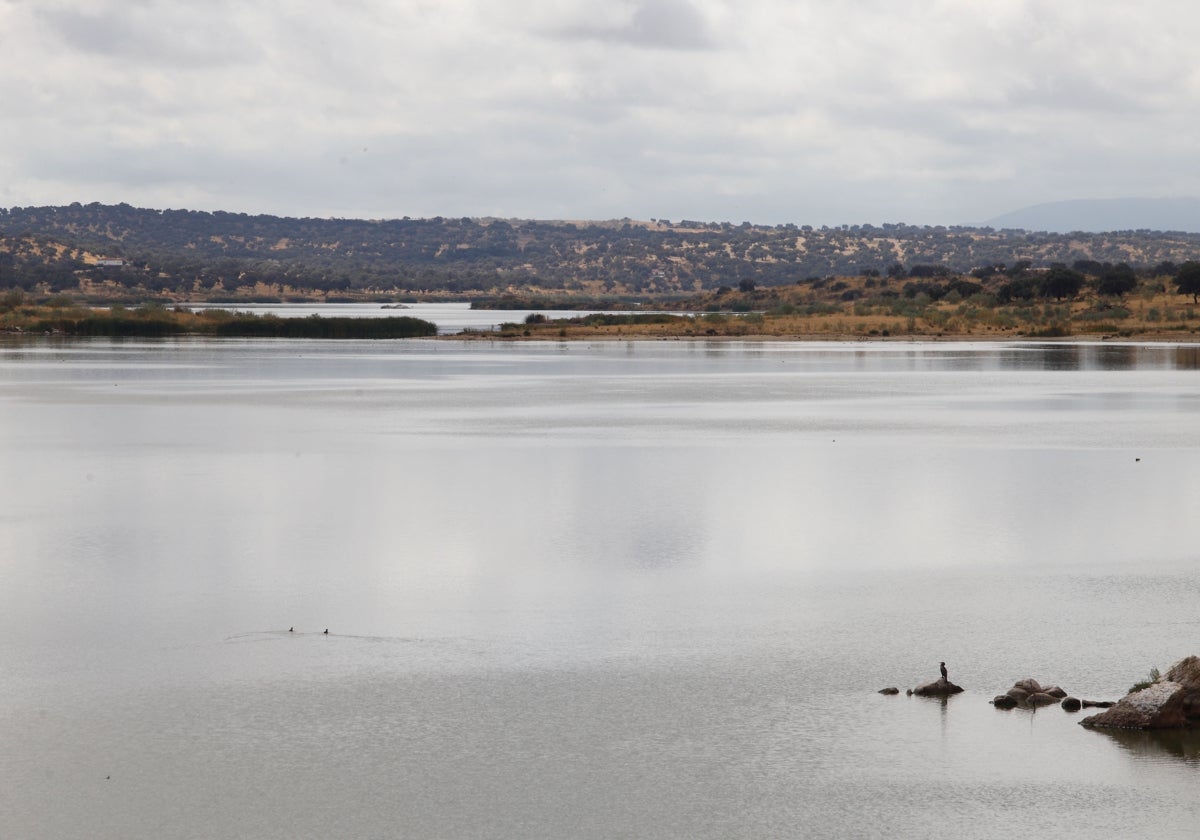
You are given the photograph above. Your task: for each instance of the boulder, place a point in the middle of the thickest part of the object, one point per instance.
(1159, 706)
(940, 687)
(1171, 703)
(1071, 704)
(1030, 694)
(1004, 701)
(889, 691)
(1029, 685)
(1186, 672)
(1098, 704)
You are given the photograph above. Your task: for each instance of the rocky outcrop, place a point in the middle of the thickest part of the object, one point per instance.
(1171, 703)
(1186, 672)
(1028, 694)
(938, 688)
(1160, 706)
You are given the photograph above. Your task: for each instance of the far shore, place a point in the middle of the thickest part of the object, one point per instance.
(1155, 316)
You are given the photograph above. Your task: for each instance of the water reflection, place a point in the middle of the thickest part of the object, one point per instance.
(909, 357)
(1157, 745)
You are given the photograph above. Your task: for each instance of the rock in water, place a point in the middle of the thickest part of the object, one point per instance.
(1003, 701)
(1029, 685)
(1171, 703)
(937, 688)
(1159, 706)
(889, 691)
(1040, 699)
(1071, 704)
(1186, 672)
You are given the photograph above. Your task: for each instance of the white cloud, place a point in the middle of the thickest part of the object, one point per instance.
(770, 111)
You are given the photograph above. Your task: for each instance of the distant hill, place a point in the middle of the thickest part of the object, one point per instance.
(183, 253)
(1101, 215)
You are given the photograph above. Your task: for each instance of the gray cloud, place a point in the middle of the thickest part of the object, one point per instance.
(774, 110)
(660, 24)
(149, 31)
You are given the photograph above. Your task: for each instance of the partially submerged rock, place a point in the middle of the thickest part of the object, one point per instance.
(1186, 672)
(1172, 702)
(1028, 685)
(941, 687)
(1028, 694)
(891, 690)
(1159, 706)
(1071, 704)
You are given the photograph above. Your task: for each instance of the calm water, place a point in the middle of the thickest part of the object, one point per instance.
(450, 317)
(589, 590)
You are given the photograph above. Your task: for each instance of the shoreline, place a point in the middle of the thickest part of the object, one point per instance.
(158, 321)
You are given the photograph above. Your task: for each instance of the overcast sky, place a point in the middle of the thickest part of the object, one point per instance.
(829, 112)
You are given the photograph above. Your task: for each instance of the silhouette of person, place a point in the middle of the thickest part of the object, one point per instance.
(944, 670)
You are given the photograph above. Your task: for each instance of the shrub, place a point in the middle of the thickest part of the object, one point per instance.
(1151, 678)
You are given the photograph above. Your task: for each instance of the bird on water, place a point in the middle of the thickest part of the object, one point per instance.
(291, 629)
(326, 631)
(944, 671)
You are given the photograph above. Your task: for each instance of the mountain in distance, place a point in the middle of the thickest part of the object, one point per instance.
(1105, 214)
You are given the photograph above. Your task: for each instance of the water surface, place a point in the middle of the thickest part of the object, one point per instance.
(588, 590)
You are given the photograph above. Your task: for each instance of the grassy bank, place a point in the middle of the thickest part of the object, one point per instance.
(863, 308)
(854, 309)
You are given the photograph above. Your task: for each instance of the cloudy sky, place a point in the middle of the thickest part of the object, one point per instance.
(824, 112)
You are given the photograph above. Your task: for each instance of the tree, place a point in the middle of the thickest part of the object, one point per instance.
(1023, 288)
(1116, 280)
(1061, 282)
(1019, 268)
(1188, 280)
(1092, 267)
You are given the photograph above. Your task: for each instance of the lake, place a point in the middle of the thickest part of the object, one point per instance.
(451, 317)
(589, 590)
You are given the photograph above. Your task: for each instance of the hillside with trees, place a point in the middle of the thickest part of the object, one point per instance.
(99, 250)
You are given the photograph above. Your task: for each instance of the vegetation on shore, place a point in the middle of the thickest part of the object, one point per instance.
(718, 279)
(1057, 303)
(118, 253)
(1030, 304)
(154, 321)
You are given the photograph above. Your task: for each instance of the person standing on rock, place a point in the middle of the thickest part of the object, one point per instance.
(944, 677)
